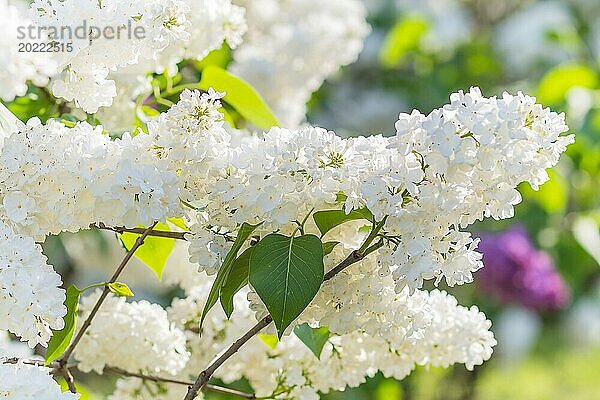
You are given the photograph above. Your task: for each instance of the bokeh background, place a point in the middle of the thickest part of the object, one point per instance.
(542, 285)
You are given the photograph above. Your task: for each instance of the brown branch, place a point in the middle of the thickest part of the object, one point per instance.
(69, 379)
(205, 375)
(57, 369)
(37, 363)
(140, 231)
(140, 241)
(209, 387)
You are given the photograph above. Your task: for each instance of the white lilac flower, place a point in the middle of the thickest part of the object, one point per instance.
(159, 35)
(28, 382)
(144, 337)
(17, 68)
(31, 302)
(292, 46)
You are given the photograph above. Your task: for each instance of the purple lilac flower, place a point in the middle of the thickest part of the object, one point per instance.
(516, 272)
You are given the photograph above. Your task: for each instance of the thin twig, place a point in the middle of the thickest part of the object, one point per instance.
(139, 231)
(140, 241)
(205, 375)
(212, 388)
(37, 363)
(69, 379)
(352, 258)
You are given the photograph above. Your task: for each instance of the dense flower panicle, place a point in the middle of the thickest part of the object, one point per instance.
(31, 302)
(19, 67)
(10, 348)
(54, 178)
(449, 334)
(440, 173)
(191, 132)
(144, 337)
(517, 272)
(28, 382)
(292, 46)
(139, 389)
(173, 30)
(9, 124)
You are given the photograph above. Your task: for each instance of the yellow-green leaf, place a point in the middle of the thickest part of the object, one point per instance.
(404, 37)
(120, 289)
(269, 340)
(178, 222)
(558, 81)
(239, 95)
(552, 196)
(155, 251)
(220, 58)
(328, 219)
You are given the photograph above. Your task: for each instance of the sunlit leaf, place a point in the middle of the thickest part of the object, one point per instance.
(120, 289)
(552, 196)
(178, 222)
(155, 251)
(404, 37)
(240, 95)
(558, 81)
(269, 340)
(237, 279)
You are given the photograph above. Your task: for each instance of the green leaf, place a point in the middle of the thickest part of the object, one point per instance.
(61, 339)
(178, 222)
(389, 389)
(220, 58)
(404, 37)
(240, 95)
(552, 196)
(327, 220)
(340, 197)
(313, 338)
(328, 247)
(286, 273)
(558, 81)
(215, 291)
(155, 251)
(237, 279)
(149, 111)
(83, 391)
(269, 340)
(120, 289)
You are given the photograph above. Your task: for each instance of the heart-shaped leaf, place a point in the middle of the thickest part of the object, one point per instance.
(313, 338)
(287, 272)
